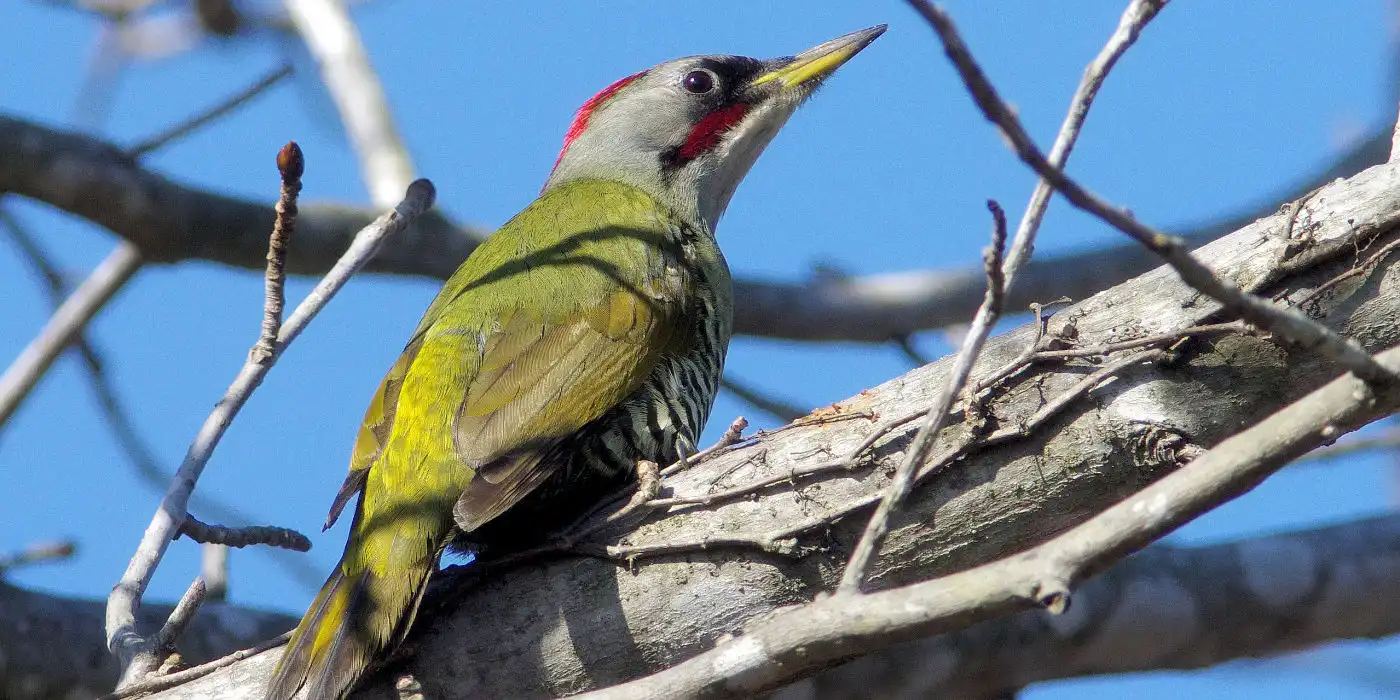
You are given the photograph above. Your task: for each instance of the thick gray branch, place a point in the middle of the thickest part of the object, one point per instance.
(53, 647)
(172, 222)
(1164, 608)
(576, 623)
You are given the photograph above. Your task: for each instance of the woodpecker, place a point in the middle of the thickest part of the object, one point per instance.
(586, 334)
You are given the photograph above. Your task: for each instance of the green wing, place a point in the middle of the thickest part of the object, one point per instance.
(543, 381)
(555, 320)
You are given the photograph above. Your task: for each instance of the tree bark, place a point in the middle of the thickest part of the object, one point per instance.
(1164, 608)
(53, 647)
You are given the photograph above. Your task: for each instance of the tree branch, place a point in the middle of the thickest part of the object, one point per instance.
(1163, 608)
(135, 650)
(66, 325)
(1190, 607)
(332, 39)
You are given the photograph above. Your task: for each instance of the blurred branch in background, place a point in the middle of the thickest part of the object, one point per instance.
(138, 450)
(102, 186)
(66, 325)
(37, 554)
(333, 40)
(778, 408)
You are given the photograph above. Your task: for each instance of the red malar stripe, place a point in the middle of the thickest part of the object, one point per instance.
(581, 117)
(707, 131)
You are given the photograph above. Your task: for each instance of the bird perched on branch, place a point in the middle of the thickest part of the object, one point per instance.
(587, 334)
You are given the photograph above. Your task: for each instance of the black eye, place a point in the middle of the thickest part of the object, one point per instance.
(698, 82)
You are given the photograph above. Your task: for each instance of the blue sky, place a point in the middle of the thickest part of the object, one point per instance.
(1220, 105)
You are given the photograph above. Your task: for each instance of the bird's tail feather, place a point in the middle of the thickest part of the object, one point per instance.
(332, 646)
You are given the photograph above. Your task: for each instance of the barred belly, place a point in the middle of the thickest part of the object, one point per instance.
(662, 421)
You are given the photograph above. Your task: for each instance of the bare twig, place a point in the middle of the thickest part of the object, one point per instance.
(213, 568)
(210, 115)
(122, 605)
(65, 325)
(135, 447)
(180, 617)
(733, 435)
(905, 345)
(790, 644)
(1138, 14)
(129, 438)
(1286, 322)
(37, 553)
(1039, 351)
(903, 480)
(1134, 19)
(171, 680)
(280, 537)
(782, 410)
(1395, 143)
(290, 164)
(1361, 270)
(849, 462)
(331, 37)
(648, 485)
(1388, 440)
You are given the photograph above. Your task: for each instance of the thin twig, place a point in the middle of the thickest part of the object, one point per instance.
(648, 485)
(905, 345)
(37, 553)
(180, 617)
(171, 680)
(65, 325)
(782, 410)
(135, 447)
(1134, 19)
(1286, 322)
(849, 462)
(124, 602)
(280, 537)
(213, 568)
(1060, 402)
(1363, 269)
(1389, 440)
(210, 115)
(291, 165)
(903, 480)
(1038, 351)
(129, 438)
(332, 39)
(1136, 16)
(733, 435)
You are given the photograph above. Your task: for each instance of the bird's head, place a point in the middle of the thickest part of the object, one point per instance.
(688, 130)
